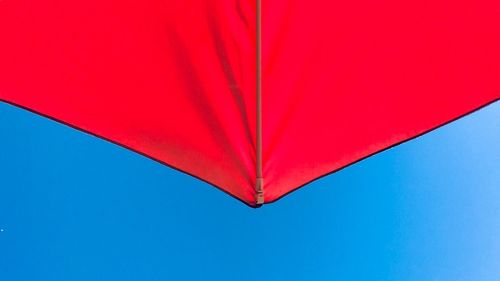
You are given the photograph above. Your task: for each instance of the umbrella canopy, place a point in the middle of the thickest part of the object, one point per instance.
(257, 99)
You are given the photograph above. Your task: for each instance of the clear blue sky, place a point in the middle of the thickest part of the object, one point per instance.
(74, 207)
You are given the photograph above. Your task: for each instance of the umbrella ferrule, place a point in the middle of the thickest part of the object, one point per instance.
(259, 191)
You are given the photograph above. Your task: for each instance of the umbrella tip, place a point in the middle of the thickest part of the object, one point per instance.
(259, 191)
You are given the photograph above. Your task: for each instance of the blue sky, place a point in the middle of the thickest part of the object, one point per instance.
(74, 207)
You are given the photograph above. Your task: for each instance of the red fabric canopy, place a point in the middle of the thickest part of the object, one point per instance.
(175, 80)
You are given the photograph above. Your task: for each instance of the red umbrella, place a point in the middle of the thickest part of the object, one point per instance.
(257, 100)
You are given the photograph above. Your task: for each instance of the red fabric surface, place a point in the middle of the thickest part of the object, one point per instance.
(175, 80)
(345, 79)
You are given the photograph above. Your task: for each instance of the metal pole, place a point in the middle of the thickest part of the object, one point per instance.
(259, 183)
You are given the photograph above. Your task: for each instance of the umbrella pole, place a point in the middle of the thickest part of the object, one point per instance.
(259, 183)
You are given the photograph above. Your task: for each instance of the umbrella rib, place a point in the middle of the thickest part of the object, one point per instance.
(259, 181)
